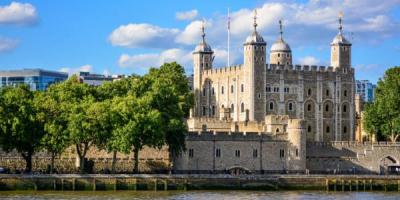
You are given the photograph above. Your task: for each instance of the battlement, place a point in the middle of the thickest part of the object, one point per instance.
(222, 70)
(232, 136)
(303, 68)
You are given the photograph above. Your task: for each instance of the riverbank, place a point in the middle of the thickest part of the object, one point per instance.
(95, 182)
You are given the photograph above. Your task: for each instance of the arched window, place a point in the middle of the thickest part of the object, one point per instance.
(309, 107)
(222, 90)
(309, 129)
(309, 92)
(232, 108)
(242, 88)
(345, 93)
(326, 108)
(344, 108)
(242, 107)
(290, 106)
(277, 130)
(271, 105)
(231, 88)
(212, 91)
(222, 106)
(327, 92)
(328, 129)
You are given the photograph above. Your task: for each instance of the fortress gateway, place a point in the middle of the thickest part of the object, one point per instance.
(258, 116)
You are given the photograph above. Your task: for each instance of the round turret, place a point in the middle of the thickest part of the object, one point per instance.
(280, 53)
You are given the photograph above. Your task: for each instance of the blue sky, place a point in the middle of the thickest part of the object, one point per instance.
(124, 36)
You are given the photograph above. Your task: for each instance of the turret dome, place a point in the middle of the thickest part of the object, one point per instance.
(281, 46)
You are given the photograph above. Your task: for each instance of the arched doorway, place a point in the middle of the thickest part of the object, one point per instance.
(385, 162)
(238, 170)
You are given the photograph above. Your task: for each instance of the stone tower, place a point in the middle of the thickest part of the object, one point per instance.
(340, 49)
(254, 73)
(202, 60)
(280, 53)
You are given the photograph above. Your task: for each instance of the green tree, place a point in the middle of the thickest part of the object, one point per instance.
(173, 99)
(138, 125)
(382, 117)
(20, 125)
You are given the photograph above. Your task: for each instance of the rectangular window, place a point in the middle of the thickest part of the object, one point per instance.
(268, 89)
(255, 153)
(218, 153)
(286, 90)
(237, 153)
(282, 153)
(297, 152)
(191, 153)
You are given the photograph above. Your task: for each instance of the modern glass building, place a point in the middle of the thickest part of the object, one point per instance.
(36, 79)
(366, 90)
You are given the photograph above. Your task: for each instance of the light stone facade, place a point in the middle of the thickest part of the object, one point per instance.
(269, 108)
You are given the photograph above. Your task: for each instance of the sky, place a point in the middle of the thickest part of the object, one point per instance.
(125, 36)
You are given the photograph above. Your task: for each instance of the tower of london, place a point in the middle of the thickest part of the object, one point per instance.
(323, 96)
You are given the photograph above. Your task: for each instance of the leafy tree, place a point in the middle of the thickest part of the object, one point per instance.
(20, 125)
(138, 125)
(55, 139)
(173, 99)
(383, 115)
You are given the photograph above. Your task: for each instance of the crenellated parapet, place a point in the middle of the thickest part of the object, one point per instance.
(222, 70)
(273, 68)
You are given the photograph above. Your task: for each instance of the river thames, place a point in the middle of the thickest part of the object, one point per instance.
(224, 195)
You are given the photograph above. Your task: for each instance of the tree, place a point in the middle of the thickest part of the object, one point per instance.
(52, 110)
(20, 125)
(173, 99)
(138, 125)
(383, 115)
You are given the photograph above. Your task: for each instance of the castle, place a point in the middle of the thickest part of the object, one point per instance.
(258, 116)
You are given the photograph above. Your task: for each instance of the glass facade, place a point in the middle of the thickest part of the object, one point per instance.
(366, 90)
(36, 79)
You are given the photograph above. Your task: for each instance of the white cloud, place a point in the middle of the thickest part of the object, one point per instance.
(18, 13)
(74, 70)
(187, 15)
(191, 34)
(142, 35)
(7, 44)
(155, 59)
(309, 60)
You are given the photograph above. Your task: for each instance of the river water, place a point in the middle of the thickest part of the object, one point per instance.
(212, 195)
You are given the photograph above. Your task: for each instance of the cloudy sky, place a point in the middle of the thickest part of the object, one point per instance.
(125, 37)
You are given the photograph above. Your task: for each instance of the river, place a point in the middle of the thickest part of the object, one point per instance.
(223, 195)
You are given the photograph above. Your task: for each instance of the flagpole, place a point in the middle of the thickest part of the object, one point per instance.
(229, 37)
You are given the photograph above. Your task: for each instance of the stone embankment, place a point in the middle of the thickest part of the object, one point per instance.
(95, 182)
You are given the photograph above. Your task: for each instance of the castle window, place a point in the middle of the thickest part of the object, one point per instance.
(255, 153)
(259, 95)
(242, 88)
(237, 153)
(212, 91)
(232, 108)
(328, 129)
(231, 88)
(286, 90)
(297, 152)
(242, 107)
(276, 89)
(271, 106)
(287, 63)
(309, 107)
(309, 92)
(326, 108)
(268, 89)
(279, 63)
(290, 107)
(222, 106)
(204, 92)
(279, 55)
(213, 110)
(222, 90)
(281, 153)
(206, 65)
(218, 153)
(327, 92)
(345, 93)
(309, 129)
(191, 153)
(204, 111)
(344, 108)
(277, 130)
(287, 56)
(345, 129)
